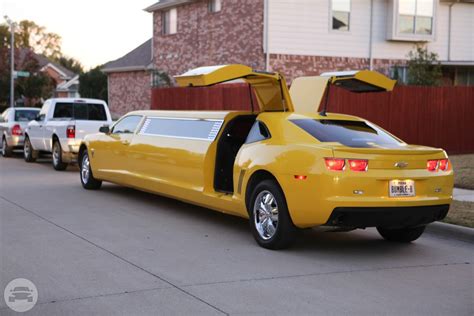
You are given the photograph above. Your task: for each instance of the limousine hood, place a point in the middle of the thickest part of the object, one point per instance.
(270, 88)
(307, 92)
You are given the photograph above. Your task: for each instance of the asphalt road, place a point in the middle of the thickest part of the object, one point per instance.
(118, 251)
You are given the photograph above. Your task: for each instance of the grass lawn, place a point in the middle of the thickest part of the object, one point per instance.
(461, 213)
(463, 171)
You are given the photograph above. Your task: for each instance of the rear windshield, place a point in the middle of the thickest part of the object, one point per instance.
(349, 133)
(80, 111)
(25, 115)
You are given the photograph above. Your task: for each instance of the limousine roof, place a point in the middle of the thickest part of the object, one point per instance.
(204, 115)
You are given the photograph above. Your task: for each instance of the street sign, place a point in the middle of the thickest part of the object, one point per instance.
(20, 73)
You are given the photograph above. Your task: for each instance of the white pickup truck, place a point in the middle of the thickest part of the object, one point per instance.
(60, 127)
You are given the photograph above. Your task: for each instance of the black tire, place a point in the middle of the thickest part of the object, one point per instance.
(284, 233)
(407, 234)
(88, 182)
(29, 153)
(57, 154)
(7, 151)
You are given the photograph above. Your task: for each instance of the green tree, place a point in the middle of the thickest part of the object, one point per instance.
(93, 84)
(71, 64)
(424, 68)
(31, 35)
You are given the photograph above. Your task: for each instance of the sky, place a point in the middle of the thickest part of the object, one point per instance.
(92, 31)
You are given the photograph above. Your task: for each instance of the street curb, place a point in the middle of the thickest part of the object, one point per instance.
(452, 231)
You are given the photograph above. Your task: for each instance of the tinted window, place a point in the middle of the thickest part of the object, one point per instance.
(349, 133)
(80, 111)
(257, 133)
(25, 115)
(127, 125)
(184, 128)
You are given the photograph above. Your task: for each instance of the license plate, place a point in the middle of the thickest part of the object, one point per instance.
(399, 188)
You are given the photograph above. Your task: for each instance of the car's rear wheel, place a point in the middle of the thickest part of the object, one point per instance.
(87, 178)
(270, 221)
(6, 150)
(58, 163)
(407, 234)
(29, 153)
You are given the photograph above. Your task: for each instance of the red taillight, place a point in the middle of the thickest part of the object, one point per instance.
(71, 131)
(432, 165)
(16, 130)
(443, 165)
(335, 164)
(358, 165)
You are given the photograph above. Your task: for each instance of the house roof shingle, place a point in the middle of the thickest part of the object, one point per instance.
(138, 59)
(165, 4)
(44, 61)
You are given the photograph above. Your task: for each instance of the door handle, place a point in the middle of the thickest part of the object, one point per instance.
(125, 142)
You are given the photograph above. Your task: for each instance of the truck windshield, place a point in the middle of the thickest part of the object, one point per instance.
(348, 133)
(25, 115)
(80, 111)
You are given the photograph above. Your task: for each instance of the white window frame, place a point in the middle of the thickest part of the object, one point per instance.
(393, 25)
(169, 26)
(331, 16)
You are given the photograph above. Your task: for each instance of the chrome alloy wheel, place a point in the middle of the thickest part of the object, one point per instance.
(4, 147)
(26, 148)
(56, 153)
(265, 214)
(85, 169)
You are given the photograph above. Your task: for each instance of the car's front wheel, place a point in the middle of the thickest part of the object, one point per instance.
(270, 220)
(6, 150)
(87, 178)
(58, 163)
(407, 234)
(29, 153)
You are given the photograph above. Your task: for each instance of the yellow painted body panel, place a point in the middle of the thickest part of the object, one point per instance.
(184, 168)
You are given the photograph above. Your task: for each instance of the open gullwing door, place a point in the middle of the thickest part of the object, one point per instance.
(307, 92)
(270, 88)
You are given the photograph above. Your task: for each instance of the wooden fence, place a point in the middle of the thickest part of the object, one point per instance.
(433, 116)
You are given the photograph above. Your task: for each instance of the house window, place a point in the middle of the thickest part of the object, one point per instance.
(170, 21)
(415, 17)
(215, 5)
(341, 14)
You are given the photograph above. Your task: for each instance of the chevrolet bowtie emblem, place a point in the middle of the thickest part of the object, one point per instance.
(401, 164)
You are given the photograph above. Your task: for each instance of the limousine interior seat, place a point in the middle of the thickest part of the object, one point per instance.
(233, 137)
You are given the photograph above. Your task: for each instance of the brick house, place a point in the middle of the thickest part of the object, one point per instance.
(65, 81)
(300, 37)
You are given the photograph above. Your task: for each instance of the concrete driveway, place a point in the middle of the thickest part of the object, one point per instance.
(118, 251)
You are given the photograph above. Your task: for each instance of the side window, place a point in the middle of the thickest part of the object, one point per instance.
(182, 128)
(40, 118)
(127, 125)
(258, 132)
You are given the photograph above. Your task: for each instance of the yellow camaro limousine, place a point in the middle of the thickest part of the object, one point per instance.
(282, 164)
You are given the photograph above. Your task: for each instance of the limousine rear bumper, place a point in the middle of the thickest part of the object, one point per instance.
(364, 201)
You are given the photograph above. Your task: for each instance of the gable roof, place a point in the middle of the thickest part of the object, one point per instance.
(138, 59)
(165, 4)
(43, 62)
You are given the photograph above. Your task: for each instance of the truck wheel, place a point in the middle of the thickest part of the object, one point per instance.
(270, 221)
(6, 151)
(58, 163)
(29, 153)
(87, 178)
(407, 234)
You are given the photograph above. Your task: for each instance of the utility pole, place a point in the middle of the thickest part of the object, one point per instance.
(12, 60)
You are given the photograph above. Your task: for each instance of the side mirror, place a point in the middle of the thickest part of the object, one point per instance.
(104, 129)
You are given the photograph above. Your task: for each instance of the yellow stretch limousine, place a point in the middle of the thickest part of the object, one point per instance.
(282, 164)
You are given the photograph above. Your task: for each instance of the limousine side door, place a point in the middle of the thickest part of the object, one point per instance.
(172, 152)
(113, 155)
